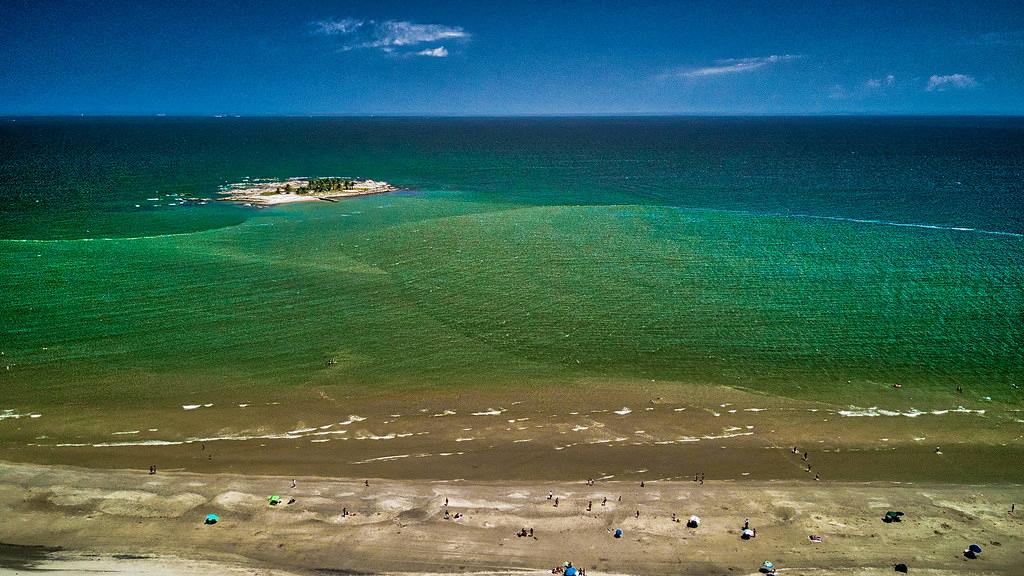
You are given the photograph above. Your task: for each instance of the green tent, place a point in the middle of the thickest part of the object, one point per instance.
(274, 500)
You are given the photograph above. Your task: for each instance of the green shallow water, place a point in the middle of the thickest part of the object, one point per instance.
(518, 259)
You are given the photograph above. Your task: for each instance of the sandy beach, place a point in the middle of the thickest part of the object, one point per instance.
(272, 193)
(127, 521)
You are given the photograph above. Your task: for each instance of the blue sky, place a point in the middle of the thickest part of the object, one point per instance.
(479, 57)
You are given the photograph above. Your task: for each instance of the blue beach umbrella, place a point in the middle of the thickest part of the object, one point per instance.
(618, 533)
(974, 548)
(212, 519)
(570, 571)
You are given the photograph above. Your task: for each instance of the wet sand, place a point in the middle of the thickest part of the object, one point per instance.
(399, 526)
(608, 430)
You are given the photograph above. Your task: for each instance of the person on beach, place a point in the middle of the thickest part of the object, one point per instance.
(447, 516)
(637, 513)
(641, 483)
(344, 512)
(152, 469)
(550, 494)
(366, 483)
(531, 532)
(556, 502)
(746, 523)
(293, 483)
(590, 505)
(605, 501)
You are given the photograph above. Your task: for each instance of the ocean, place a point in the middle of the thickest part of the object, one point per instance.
(813, 258)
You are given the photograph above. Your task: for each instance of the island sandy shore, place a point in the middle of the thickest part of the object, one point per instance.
(108, 519)
(270, 193)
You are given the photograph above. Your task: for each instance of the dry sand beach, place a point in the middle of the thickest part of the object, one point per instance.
(129, 521)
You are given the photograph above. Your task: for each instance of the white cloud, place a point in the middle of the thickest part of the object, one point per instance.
(439, 52)
(876, 83)
(734, 66)
(343, 26)
(950, 81)
(389, 35)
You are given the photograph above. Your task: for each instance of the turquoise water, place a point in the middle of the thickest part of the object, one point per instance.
(822, 258)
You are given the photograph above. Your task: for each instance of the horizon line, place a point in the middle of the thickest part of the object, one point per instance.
(8, 116)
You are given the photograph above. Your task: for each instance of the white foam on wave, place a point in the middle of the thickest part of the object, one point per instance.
(126, 433)
(351, 418)
(443, 413)
(14, 415)
(874, 411)
(382, 459)
(625, 410)
(191, 406)
(489, 412)
(859, 221)
(375, 437)
(181, 442)
(733, 435)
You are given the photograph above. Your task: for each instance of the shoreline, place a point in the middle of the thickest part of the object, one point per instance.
(622, 431)
(399, 526)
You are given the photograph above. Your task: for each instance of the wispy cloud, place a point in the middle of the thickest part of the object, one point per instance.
(877, 83)
(389, 35)
(1013, 38)
(439, 52)
(870, 88)
(938, 83)
(732, 66)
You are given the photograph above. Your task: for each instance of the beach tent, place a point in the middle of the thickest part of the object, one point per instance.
(767, 565)
(972, 551)
(618, 533)
(274, 500)
(747, 534)
(902, 568)
(212, 519)
(570, 571)
(892, 517)
(693, 522)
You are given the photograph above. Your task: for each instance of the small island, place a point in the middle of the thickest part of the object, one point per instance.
(266, 193)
